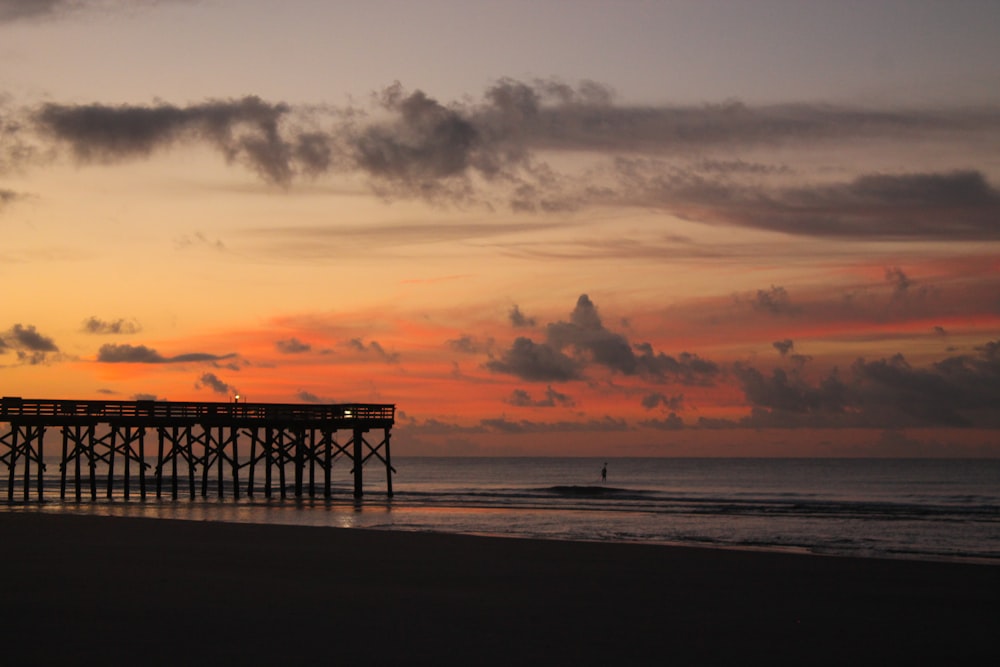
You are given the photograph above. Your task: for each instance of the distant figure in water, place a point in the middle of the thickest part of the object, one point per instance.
(604, 473)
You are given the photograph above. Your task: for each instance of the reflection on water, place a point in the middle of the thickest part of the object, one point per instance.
(919, 509)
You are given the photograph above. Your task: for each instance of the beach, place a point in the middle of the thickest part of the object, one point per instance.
(155, 591)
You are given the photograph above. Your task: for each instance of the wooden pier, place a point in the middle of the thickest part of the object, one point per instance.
(192, 440)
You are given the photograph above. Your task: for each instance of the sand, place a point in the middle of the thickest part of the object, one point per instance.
(80, 590)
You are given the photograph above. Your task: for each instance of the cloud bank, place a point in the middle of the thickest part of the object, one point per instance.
(501, 150)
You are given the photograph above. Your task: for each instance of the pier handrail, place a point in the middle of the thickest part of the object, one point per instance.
(15, 406)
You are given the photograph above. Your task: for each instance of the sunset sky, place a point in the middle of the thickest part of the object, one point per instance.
(633, 228)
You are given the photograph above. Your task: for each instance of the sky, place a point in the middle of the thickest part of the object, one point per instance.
(712, 228)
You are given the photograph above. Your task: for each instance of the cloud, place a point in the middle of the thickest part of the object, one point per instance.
(8, 197)
(504, 425)
(961, 390)
(532, 361)
(198, 240)
(423, 144)
(587, 334)
(309, 397)
(374, 348)
(29, 346)
(593, 344)
(918, 206)
(140, 354)
(581, 120)
(468, 344)
(788, 392)
(244, 130)
(94, 325)
(14, 10)
(774, 301)
(900, 281)
(211, 381)
(497, 150)
(522, 398)
(21, 10)
(656, 399)
(671, 423)
(686, 368)
(783, 346)
(292, 346)
(519, 319)
(28, 338)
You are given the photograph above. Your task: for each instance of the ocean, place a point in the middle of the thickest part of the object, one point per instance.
(923, 509)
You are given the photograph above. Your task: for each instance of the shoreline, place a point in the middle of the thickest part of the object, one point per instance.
(82, 588)
(62, 507)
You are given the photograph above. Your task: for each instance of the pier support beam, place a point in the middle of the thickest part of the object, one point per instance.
(110, 437)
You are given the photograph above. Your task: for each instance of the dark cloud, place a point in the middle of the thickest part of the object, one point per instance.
(308, 397)
(519, 319)
(671, 423)
(783, 346)
(655, 399)
(423, 144)
(774, 301)
(95, 325)
(788, 392)
(20, 10)
(29, 346)
(553, 398)
(7, 197)
(244, 130)
(592, 343)
(504, 425)
(212, 381)
(28, 338)
(961, 390)
(931, 206)
(586, 333)
(373, 349)
(597, 124)
(140, 354)
(533, 361)
(292, 346)
(900, 281)
(198, 240)
(468, 344)
(14, 10)
(686, 368)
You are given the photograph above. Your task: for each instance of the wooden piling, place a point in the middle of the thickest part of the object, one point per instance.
(388, 466)
(358, 464)
(142, 463)
(62, 468)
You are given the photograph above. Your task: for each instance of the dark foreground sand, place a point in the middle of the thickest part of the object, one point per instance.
(82, 590)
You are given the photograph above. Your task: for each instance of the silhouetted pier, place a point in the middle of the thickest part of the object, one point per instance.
(191, 440)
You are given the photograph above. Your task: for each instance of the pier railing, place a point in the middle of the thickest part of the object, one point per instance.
(16, 407)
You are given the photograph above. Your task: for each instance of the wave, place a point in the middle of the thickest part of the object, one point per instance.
(591, 490)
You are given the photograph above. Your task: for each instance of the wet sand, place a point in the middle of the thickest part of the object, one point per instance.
(79, 590)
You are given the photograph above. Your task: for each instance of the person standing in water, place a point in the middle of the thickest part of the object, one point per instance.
(604, 473)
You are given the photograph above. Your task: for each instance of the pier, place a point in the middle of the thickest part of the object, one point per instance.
(222, 447)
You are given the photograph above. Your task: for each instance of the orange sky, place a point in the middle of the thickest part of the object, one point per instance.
(526, 252)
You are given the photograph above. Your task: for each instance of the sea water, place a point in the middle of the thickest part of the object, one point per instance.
(925, 509)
